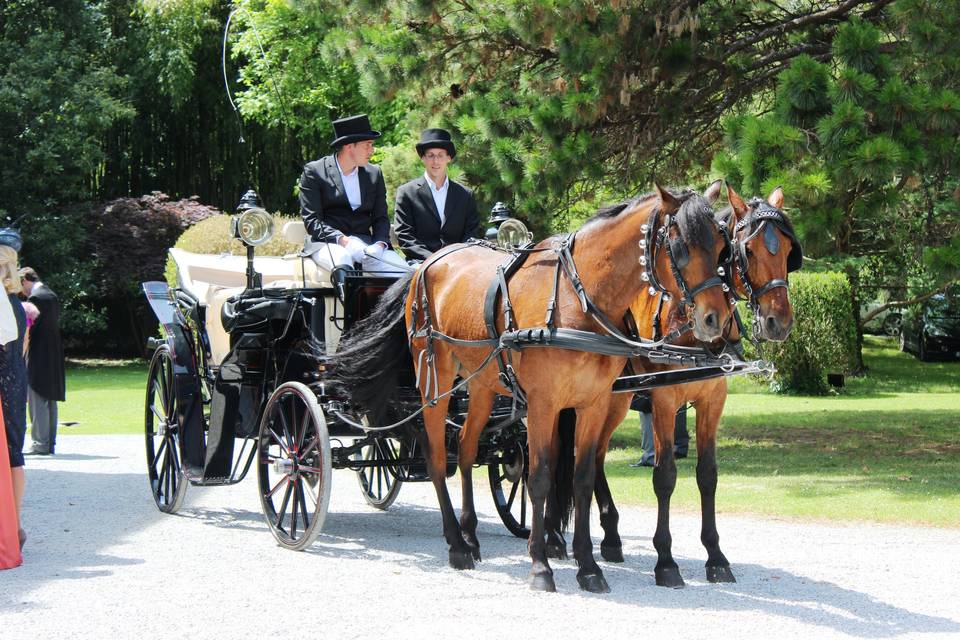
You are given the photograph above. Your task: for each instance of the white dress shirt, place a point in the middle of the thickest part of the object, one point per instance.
(351, 184)
(439, 195)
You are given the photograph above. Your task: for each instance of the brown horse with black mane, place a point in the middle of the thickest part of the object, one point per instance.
(579, 282)
(765, 249)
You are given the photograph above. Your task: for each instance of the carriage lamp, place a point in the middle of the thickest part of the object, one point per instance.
(253, 226)
(512, 234)
(498, 215)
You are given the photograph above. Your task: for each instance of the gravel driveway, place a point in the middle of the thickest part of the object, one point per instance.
(102, 562)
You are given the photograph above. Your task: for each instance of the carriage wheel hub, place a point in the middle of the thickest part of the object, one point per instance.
(513, 469)
(283, 465)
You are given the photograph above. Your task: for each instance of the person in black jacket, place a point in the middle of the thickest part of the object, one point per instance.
(343, 201)
(433, 211)
(45, 363)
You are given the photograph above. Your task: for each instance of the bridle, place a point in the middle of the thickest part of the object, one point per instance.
(763, 218)
(655, 240)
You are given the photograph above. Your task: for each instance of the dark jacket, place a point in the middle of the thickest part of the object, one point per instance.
(418, 222)
(45, 354)
(326, 211)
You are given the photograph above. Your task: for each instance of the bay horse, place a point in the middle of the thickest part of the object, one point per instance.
(765, 249)
(438, 314)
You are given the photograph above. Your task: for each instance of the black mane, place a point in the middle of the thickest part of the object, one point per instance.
(693, 217)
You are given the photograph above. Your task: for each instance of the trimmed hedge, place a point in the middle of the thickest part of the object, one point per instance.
(824, 335)
(213, 236)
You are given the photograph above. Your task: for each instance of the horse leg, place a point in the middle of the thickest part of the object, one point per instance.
(481, 403)
(542, 445)
(667, 573)
(435, 419)
(590, 577)
(611, 547)
(558, 501)
(708, 419)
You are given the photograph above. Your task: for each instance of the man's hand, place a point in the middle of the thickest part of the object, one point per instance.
(375, 250)
(355, 247)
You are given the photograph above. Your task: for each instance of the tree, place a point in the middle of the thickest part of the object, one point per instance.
(865, 144)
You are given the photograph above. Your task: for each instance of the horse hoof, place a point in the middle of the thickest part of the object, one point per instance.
(461, 560)
(475, 552)
(669, 577)
(542, 582)
(594, 583)
(720, 574)
(556, 551)
(611, 554)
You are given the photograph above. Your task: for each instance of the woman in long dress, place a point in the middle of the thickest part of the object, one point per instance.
(13, 399)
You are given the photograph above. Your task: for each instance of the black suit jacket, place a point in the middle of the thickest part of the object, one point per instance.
(418, 222)
(326, 211)
(45, 355)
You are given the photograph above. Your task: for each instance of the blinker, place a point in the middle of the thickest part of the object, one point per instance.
(770, 239)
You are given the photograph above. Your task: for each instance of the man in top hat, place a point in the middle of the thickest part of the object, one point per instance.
(45, 363)
(433, 211)
(343, 201)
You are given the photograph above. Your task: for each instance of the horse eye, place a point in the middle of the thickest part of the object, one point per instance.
(749, 252)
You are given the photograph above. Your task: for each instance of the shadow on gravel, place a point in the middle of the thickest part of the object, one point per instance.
(80, 515)
(409, 537)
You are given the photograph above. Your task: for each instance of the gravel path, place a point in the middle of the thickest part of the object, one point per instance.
(102, 562)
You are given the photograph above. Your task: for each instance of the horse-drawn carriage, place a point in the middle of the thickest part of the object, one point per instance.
(253, 355)
(240, 379)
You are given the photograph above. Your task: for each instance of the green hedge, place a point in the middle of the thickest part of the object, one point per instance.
(213, 236)
(824, 335)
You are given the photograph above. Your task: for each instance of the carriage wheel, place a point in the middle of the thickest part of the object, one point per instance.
(293, 466)
(380, 484)
(162, 429)
(508, 484)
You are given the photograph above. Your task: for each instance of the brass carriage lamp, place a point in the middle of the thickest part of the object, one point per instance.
(253, 226)
(505, 230)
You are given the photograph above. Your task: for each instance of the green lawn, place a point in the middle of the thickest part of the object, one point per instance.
(886, 449)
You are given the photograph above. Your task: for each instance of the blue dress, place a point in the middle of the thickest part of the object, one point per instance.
(13, 386)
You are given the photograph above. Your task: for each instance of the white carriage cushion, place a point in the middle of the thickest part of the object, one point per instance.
(294, 232)
(219, 338)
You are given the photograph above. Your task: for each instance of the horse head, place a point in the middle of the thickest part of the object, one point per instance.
(684, 250)
(765, 250)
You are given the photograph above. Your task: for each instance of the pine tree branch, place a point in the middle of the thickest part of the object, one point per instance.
(905, 303)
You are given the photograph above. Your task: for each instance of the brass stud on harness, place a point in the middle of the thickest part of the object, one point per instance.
(643, 260)
(645, 276)
(721, 272)
(652, 291)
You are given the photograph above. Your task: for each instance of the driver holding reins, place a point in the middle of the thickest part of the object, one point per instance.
(343, 201)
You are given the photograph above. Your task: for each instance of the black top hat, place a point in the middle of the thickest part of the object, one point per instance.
(436, 139)
(353, 129)
(11, 237)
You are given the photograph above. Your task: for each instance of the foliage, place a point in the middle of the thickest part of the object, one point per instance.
(59, 95)
(865, 145)
(823, 338)
(212, 236)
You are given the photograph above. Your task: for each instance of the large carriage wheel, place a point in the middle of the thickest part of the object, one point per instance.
(293, 466)
(508, 484)
(380, 483)
(162, 429)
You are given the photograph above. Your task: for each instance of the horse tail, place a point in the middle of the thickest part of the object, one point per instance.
(374, 351)
(566, 426)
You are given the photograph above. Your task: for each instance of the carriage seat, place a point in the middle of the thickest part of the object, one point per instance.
(212, 279)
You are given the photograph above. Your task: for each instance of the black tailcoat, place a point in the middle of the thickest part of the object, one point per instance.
(45, 366)
(418, 221)
(326, 211)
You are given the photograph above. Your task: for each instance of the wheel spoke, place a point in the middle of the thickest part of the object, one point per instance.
(303, 507)
(314, 498)
(513, 494)
(304, 425)
(160, 417)
(283, 504)
(279, 441)
(270, 493)
(285, 425)
(295, 507)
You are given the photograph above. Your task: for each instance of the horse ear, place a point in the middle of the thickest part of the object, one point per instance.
(713, 191)
(736, 203)
(668, 203)
(775, 199)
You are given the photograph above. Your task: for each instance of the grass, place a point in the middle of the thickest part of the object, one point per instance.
(886, 448)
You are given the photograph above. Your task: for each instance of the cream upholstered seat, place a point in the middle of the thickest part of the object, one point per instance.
(213, 279)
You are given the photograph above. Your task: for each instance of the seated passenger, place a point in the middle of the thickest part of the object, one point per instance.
(343, 202)
(433, 211)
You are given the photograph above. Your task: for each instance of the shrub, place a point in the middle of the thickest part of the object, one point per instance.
(824, 334)
(213, 236)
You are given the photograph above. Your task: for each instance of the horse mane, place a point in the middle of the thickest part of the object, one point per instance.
(692, 217)
(753, 203)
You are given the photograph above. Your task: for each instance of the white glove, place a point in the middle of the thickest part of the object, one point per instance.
(374, 250)
(355, 247)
